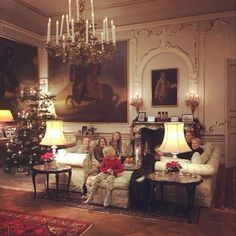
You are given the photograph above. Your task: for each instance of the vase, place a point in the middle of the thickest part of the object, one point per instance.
(174, 175)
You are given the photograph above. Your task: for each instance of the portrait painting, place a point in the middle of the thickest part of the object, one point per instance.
(91, 92)
(18, 70)
(164, 87)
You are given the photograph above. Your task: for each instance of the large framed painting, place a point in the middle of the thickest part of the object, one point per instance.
(91, 93)
(18, 70)
(164, 87)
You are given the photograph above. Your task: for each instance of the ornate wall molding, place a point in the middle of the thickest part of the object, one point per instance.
(19, 34)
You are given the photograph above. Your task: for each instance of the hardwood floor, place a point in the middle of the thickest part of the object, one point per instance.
(212, 221)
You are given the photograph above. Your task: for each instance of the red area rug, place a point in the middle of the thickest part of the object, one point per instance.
(19, 223)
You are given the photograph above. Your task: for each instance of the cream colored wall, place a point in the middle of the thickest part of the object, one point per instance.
(197, 46)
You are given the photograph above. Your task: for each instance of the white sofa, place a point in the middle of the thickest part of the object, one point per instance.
(206, 165)
(120, 193)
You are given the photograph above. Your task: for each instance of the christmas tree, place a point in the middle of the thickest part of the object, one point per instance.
(25, 150)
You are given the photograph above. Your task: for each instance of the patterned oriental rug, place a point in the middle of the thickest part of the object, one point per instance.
(21, 224)
(167, 211)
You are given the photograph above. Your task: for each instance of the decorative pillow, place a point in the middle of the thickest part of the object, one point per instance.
(75, 159)
(196, 158)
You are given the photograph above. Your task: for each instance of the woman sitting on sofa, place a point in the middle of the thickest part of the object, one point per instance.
(116, 142)
(196, 150)
(98, 154)
(90, 165)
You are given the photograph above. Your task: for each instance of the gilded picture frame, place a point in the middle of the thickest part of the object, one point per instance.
(99, 96)
(164, 84)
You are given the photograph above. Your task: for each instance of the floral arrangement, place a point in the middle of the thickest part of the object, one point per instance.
(173, 166)
(47, 157)
(136, 102)
(192, 101)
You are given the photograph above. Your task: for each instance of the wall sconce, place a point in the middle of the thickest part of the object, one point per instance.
(192, 101)
(136, 102)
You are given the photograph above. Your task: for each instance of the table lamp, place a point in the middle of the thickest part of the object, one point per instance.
(174, 140)
(54, 135)
(5, 116)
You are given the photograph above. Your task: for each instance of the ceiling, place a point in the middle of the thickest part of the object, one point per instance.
(33, 14)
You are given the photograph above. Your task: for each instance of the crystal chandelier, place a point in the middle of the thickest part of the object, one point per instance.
(81, 43)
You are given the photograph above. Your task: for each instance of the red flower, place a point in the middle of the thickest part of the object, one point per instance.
(47, 156)
(173, 166)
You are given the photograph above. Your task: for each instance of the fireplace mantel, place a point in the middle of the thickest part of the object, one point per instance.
(150, 125)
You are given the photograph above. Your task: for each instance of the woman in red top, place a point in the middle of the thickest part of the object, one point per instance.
(110, 168)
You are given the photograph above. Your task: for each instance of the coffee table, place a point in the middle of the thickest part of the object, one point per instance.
(51, 168)
(185, 180)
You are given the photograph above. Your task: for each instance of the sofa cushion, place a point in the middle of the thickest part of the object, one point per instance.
(205, 156)
(196, 158)
(168, 159)
(73, 159)
(121, 182)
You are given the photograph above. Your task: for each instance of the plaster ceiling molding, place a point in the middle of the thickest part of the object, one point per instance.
(19, 34)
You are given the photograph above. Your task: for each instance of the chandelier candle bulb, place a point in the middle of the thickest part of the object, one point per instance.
(114, 34)
(57, 29)
(86, 31)
(63, 44)
(77, 9)
(73, 31)
(67, 26)
(69, 2)
(102, 37)
(62, 22)
(92, 16)
(49, 30)
(93, 26)
(106, 25)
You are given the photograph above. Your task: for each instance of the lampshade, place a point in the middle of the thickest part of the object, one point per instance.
(54, 134)
(174, 140)
(5, 116)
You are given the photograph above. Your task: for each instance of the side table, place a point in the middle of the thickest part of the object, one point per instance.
(51, 168)
(188, 181)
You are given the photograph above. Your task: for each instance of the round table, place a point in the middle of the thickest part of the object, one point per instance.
(51, 168)
(187, 180)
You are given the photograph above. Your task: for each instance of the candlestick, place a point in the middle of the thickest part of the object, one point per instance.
(92, 16)
(62, 22)
(69, 2)
(57, 29)
(101, 37)
(73, 31)
(107, 35)
(86, 32)
(77, 9)
(49, 30)
(63, 43)
(67, 25)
